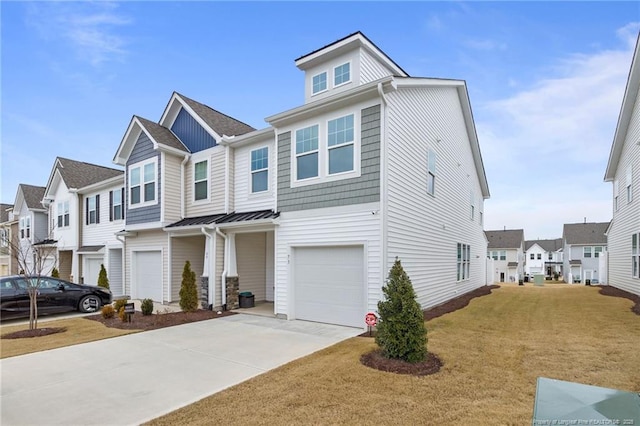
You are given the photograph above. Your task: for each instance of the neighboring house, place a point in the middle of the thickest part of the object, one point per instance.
(77, 197)
(6, 220)
(623, 169)
(543, 257)
(585, 247)
(311, 212)
(506, 248)
(32, 241)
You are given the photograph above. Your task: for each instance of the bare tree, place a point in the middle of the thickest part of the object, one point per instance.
(35, 260)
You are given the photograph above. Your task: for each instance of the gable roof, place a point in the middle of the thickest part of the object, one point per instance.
(626, 112)
(161, 134)
(546, 245)
(77, 174)
(505, 239)
(348, 43)
(220, 123)
(32, 196)
(4, 214)
(585, 233)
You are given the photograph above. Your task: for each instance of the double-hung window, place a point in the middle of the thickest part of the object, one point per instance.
(503, 255)
(586, 252)
(596, 251)
(319, 83)
(116, 210)
(463, 261)
(635, 255)
(260, 170)
(539, 256)
(25, 227)
(93, 210)
(200, 181)
(63, 214)
(307, 152)
(431, 172)
(142, 184)
(340, 143)
(628, 183)
(615, 195)
(532, 256)
(342, 74)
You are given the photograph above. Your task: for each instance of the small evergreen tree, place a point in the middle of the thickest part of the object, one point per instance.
(55, 273)
(401, 333)
(103, 281)
(188, 289)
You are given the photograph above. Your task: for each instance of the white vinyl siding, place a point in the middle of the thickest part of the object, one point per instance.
(67, 236)
(423, 231)
(216, 170)
(370, 68)
(172, 190)
(244, 199)
(104, 233)
(251, 262)
(349, 225)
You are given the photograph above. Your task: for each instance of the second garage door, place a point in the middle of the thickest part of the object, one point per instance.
(329, 284)
(148, 275)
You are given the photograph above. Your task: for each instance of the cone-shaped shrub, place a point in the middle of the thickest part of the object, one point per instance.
(188, 289)
(103, 281)
(55, 273)
(401, 333)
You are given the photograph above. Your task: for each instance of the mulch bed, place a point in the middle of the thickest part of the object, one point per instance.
(38, 332)
(432, 364)
(616, 292)
(158, 320)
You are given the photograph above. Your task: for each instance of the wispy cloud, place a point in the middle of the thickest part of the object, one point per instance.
(485, 44)
(92, 29)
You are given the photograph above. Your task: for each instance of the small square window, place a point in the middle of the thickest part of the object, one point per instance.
(342, 74)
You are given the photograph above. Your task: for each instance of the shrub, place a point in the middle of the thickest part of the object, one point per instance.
(401, 333)
(119, 303)
(55, 273)
(124, 317)
(188, 289)
(103, 281)
(108, 312)
(146, 307)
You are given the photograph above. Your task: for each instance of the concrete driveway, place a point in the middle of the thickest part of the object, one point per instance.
(136, 378)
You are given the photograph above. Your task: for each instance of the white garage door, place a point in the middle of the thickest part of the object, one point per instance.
(148, 275)
(329, 284)
(92, 270)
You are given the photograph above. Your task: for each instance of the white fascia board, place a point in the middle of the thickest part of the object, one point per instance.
(54, 171)
(359, 93)
(52, 185)
(145, 226)
(128, 142)
(626, 112)
(248, 138)
(102, 184)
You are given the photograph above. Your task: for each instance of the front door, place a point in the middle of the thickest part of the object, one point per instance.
(501, 277)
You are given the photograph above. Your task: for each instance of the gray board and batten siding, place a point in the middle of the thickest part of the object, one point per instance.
(358, 190)
(143, 150)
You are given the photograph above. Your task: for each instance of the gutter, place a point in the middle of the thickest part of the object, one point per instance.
(383, 178)
(182, 180)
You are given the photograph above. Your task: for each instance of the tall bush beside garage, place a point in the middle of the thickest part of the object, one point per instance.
(55, 273)
(103, 281)
(188, 289)
(401, 333)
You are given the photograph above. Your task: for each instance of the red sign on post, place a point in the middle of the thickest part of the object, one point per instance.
(371, 319)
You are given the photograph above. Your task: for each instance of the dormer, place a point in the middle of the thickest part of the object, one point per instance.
(345, 64)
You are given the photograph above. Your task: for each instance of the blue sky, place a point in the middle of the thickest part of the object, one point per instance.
(546, 81)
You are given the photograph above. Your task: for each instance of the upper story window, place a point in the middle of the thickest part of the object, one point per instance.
(319, 83)
(503, 255)
(340, 143)
(635, 255)
(586, 251)
(597, 250)
(472, 201)
(260, 170)
(615, 195)
(142, 184)
(532, 256)
(550, 256)
(92, 210)
(116, 210)
(539, 256)
(25, 227)
(63, 214)
(4, 237)
(628, 183)
(431, 172)
(201, 181)
(307, 153)
(342, 74)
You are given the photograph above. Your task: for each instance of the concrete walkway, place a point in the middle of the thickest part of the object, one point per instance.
(138, 377)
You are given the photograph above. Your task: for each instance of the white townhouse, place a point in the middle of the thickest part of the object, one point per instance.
(6, 235)
(585, 248)
(310, 213)
(543, 257)
(623, 170)
(506, 249)
(78, 202)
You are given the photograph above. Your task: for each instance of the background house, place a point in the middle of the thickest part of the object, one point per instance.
(543, 257)
(585, 246)
(623, 170)
(506, 249)
(6, 220)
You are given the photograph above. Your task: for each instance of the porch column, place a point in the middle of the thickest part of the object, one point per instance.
(232, 282)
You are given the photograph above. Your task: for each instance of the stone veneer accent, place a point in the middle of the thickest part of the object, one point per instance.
(204, 292)
(233, 290)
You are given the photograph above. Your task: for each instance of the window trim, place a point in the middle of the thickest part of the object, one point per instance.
(629, 183)
(63, 220)
(113, 205)
(587, 250)
(342, 145)
(326, 83)
(141, 165)
(96, 210)
(196, 161)
(635, 255)
(251, 171)
(344, 82)
(431, 172)
(463, 262)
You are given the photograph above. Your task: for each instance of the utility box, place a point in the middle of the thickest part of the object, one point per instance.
(538, 279)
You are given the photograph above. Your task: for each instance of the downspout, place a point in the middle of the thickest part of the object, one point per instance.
(182, 182)
(383, 182)
(212, 263)
(223, 277)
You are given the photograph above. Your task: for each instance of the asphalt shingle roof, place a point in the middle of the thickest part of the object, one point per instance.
(505, 239)
(4, 214)
(161, 134)
(219, 122)
(547, 245)
(33, 195)
(585, 233)
(78, 174)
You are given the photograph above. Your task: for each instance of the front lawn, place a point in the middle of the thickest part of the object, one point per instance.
(493, 350)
